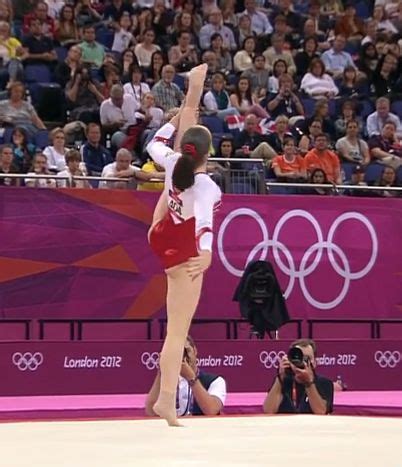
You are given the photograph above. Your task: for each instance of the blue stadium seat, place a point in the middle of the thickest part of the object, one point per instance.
(214, 124)
(373, 172)
(362, 10)
(180, 81)
(309, 105)
(366, 108)
(396, 108)
(348, 169)
(105, 37)
(37, 74)
(42, 139)
(61, 53)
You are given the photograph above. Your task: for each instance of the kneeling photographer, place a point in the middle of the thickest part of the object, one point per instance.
(297, 388)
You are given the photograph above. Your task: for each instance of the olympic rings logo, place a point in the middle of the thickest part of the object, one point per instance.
(271, 359)
(27, 360)
(150, 360)
(303, 271)
(387, 359)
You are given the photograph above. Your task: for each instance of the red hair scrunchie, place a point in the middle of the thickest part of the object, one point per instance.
(190, 149)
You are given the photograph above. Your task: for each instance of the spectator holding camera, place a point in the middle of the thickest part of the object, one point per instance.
(297, 388)
(198, 393)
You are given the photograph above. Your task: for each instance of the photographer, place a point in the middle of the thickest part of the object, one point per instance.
(297, 388)
(198, 393)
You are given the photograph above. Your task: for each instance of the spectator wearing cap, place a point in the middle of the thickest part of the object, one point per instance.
(382, 114)
(167, 93)
(276, 52)
(351, 148)
(259, 21)
(357, 179)
(336, 59)
(322, 158)
(213, 26)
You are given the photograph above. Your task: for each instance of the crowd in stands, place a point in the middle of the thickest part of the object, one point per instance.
(313, 88)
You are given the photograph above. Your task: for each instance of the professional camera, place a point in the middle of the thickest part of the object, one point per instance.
(296, 357)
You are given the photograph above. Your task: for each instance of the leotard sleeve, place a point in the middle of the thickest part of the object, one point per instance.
(158, 148)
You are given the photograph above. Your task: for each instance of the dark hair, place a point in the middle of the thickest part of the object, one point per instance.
(280, 60)
(194, 146)
(73, 155)
(316, 61)
(286, 140)
(248, 94)
(88, 26)
(24, 134)
(225, 139)
(258, 56)
(312, 177)
(308, 39)
(61, 14)
(248, 38)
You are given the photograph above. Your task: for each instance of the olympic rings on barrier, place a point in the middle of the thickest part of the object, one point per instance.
(271, 359)
(261, 251)
(27, 360)
(150, 360)
(388, 358)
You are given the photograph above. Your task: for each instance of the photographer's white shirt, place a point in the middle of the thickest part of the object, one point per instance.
(184, 397)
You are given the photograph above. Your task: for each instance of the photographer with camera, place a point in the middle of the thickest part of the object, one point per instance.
(198, 393)
(297, 388)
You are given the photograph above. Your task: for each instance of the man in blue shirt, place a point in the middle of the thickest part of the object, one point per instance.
(94, 154)
(336, 59)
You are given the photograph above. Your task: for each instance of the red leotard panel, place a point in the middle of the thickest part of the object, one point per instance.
(173, 243)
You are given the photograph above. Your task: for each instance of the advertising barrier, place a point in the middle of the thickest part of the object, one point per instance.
(84, 253)
(50, 368)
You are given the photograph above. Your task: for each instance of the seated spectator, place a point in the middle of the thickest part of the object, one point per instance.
(15, 111)
(117, 114)
(349, 25)
(307, 141)
(186, 22)
(276, 52)
(316, 83)
(84, 96)
(386, 76)
(322, 158)
(332, 8)
(190, 7)
(67, 30)
(7, 166)
(65, 70)
(145, 49)
(286, 102)
(136, 87)
(289, 167)
(357, 179)
(184, 55)
(251, 144)
(112, 77)
(370, 32)
(284, 8)
(46, 22)
(23, 149)
(94, 155)
(260, 24)
(377, 120)
(116, 9)
(167, 94)
(37, 48)
(258, 76)
(298, 388)
(223, 56)
(162, 20)
(336, 59)
(318, 177)
(198, 392)
(217, 100)
(39, 167)
(122, 168)
(281, 131)
(147, 112)
(322, 20)
(321, 111)
(243, 59)
(388, 179)
(151, 167)
(56, 153)
(350, 86)
(348, 113)
(280, 68)
(244, 29)
(351, 148)
(385, 148)
(72, 169)
(304, 58)
(213, 26)
(368, 61)
(123, 37)
(87, 12)
(244, 101)
(281, 27)
(384, 25)
(92, 52)
(153, 74)
(11, 50)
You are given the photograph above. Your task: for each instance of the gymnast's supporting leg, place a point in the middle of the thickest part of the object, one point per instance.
(182, 299)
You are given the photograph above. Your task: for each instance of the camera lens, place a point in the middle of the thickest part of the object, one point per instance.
(296, 357)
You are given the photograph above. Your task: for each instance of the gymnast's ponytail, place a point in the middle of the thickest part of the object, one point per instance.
(194, 146)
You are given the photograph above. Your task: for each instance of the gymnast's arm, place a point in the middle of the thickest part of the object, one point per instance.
(158, 148)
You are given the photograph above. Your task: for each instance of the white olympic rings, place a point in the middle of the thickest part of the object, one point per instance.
(27, 360)
(388, 358)
(150, 360)
(304, 270)
(271, 359)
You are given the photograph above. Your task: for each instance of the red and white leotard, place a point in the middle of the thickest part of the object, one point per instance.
(187, 227)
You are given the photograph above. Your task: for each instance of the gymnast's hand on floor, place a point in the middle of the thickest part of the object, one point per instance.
(199, 264)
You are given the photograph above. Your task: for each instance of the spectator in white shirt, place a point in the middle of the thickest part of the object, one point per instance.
(73, 169)
(144, 50)
(259, 21)
(56, 152)
(117, 114)
(39, 167)
(123, 37)
(215, 25)
(316, 83)
(122, 168)
(382, 115)
(136, 87)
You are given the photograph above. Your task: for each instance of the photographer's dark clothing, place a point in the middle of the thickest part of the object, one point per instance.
(286, 107)
(324, 386)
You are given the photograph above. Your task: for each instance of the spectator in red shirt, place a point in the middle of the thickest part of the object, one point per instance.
(322, 158)
(40, 13)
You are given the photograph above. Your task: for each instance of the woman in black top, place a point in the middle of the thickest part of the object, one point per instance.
(303, 59)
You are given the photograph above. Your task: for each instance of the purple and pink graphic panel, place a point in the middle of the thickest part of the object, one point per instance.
(49, 368)
(84, 253)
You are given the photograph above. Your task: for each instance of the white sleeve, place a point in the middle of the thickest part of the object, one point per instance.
(51, 163)
(218, 389)
(210, 102)
(157, 148)
(205, 202)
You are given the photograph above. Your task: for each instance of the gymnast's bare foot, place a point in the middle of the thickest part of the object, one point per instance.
(162, 409)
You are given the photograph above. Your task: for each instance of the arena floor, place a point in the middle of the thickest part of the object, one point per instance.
(224, 441)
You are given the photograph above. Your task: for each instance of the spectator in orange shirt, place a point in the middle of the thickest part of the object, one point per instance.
(289, 167)
(322, 158)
